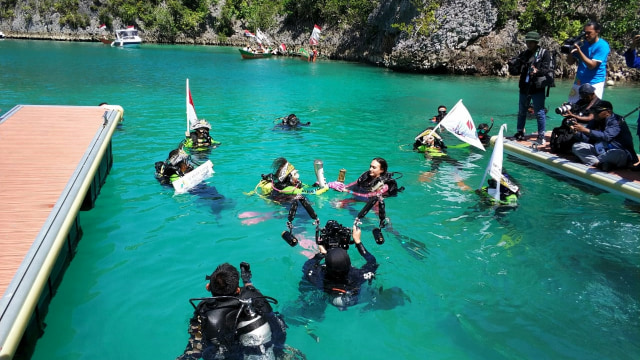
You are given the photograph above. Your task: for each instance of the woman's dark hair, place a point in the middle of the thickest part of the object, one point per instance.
(224, 280)
(383, 164)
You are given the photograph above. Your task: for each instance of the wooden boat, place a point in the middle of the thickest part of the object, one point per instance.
(623, 182)
(105, 40)
(254, 54)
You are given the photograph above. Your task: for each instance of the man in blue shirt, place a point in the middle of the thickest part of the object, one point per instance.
(631, 55)
(591, 56)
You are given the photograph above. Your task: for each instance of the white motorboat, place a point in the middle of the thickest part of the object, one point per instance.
(127, 37)
(1, 35)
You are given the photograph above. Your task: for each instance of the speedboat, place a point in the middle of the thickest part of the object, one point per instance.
(127, 37)
(1, 35)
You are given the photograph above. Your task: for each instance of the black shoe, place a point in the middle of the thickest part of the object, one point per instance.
(635, 167)
(519, 136)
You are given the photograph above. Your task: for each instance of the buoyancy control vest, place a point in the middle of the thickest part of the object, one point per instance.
(371, 184)
(234, 327)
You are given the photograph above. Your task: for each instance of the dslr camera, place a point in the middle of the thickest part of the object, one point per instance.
(334, 235)
(567, 45)
(564, 108)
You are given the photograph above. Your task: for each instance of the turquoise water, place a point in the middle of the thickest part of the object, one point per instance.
(558, 278)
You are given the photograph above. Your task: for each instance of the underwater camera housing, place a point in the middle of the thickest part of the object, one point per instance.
(334, 235)
(567, 45)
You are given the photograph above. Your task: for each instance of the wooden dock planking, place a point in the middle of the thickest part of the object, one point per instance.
(40, 148)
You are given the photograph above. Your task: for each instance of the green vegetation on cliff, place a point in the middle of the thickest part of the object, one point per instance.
(559, 19)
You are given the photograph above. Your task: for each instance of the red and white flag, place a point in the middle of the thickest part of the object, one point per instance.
(459, 122)
(315, 35)
(102, 27)
(283, 48)
(192, 118)
(131, 27)
(248, 33)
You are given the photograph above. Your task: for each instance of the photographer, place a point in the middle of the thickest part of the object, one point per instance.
(591, 56)
(581, 110)
(533, 65)
(336, 277)
(605, 142)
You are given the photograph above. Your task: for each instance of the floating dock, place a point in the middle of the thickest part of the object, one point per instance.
(53, 162)
(625, 182)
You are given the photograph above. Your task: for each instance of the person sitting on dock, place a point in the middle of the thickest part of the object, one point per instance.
(581, 110)
(198, 138)
(606, 142)
(175, 167)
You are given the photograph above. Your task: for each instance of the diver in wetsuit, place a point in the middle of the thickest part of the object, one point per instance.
(335, 275)
(198, 138)
(284, 182)
(235, 323)
(176, 166)
(375, 182)
(509, 191)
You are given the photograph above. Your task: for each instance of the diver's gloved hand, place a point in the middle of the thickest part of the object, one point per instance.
(245, 272)
(336, 185)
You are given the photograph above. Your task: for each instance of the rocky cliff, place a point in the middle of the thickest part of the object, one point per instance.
(462, 39)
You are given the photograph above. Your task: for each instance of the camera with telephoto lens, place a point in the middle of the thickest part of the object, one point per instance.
(334, 235)
(568, 44)
(564, 108)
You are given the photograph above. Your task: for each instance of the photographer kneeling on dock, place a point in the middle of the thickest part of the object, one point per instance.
(606, 141)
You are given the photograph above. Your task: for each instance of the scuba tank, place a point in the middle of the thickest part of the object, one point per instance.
(318, 167)
(342, 175)
(253, 331)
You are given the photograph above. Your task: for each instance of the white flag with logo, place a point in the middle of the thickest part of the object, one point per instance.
(459, 122)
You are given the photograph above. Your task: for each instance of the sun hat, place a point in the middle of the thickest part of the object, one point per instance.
(532, 36)
(586, 89)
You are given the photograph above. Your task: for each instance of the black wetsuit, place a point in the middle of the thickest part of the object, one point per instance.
(344, 293)
(212, 328)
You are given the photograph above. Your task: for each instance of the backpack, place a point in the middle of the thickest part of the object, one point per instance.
(561, 139)
(549, 77)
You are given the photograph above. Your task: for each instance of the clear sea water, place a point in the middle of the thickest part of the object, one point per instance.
(558, 278)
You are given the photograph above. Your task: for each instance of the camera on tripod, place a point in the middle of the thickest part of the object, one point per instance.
(568, 44)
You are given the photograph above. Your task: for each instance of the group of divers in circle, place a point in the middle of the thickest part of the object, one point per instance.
(238, 322)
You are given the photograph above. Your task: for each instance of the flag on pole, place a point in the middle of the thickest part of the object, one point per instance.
(315, 35)
(131, 27)
(283, 48)
(262, 37)
(102, 27)
(248, 33)
(459, 122)
(192, 118)
(494, 168)
(495, 163)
